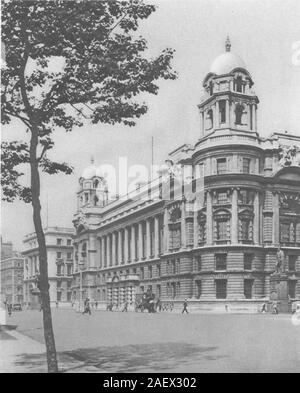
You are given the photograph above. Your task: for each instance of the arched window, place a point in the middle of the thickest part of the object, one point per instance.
(246, 226)
(211, 88)
(239, 111)
(96, 199)
(209, 119)
(222, 109)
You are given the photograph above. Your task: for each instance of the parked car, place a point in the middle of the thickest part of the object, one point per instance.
(17, 307)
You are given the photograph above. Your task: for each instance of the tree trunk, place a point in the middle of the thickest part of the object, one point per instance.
(43, 283)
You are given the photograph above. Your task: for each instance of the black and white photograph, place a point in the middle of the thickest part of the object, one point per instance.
(150, 189)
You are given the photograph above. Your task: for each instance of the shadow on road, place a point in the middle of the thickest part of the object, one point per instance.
(128, 358)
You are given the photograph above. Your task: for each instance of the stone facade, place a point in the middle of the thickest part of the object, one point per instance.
(11, 275)
(59, 244)
(215, 242)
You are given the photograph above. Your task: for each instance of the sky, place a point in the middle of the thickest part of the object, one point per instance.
(266, 34)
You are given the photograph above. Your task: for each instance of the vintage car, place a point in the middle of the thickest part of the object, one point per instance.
(17, 307)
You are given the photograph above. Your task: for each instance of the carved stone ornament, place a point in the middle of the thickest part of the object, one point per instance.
(80, 220)
(289, 156)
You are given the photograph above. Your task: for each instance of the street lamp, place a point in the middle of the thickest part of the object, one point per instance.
(81, 265)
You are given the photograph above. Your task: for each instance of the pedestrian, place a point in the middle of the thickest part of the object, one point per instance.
(275, 308)
(185, 307)
(56, 304)
(264, 308)
(87, 307)
(96, 305)
(226, 307)
(9, 309)
(125, 308)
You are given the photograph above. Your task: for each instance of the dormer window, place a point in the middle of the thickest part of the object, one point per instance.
(222, 109)
(239, 84)
(239, 111)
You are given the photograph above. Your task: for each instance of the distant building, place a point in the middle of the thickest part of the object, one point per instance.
(6, 249)
(218, 250)
(11, 274)
(59, 246)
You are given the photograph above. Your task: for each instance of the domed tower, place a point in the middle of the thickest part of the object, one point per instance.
(229, 101)
(93, 188)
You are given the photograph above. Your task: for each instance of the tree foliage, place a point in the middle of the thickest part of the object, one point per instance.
(104, 68)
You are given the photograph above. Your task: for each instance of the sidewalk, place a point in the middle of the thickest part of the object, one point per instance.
(21, 354)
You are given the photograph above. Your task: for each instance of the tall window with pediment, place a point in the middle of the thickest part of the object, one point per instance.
(246, 226)
(239, 113)
(175, 229)
(202, 228)
(222, 226)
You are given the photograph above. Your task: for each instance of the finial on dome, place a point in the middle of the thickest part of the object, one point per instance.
(92, 160)
(227, 44)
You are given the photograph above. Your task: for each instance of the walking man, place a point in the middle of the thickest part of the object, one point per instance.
(185, 307)
(125, 308)
(87, 308)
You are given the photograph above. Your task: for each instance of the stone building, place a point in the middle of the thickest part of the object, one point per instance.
(59, 244)
(213, 245)
(11, 277)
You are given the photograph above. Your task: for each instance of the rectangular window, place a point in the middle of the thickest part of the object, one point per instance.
(69, 242)
(158, 271)
(221, 229)
(248, 285)
(221, 166)
(292, 289)
(58, 255)
(69, 296)
(69, 284)
(292, 263)
(221, 289)
(150, 271)
(58, 270)
(248, 259)
(158, 290)
(58, 284)
(285, 232)
(198, 288)
(221, 261)
(199, 263)
(69, 270)
(142, 273)
(245, 229)
(69, 256)
(59, 242)
(58, 296)
(222, 108)
(222, 197)
(246, 165)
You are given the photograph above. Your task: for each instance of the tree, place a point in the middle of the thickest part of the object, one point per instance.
(105, 68)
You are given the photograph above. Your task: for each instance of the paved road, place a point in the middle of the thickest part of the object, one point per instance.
(166, 342)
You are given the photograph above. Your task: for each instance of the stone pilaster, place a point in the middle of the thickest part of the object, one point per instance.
(166, 231)
(126, 245)
(209, 219)
(256, 221)
(133, 240)
(234, 217)
(156, 236)
(148, 239)
(114, 259)
(183, 225)
(120, 259)
(108, 249)
(275, 231)
(140, 241)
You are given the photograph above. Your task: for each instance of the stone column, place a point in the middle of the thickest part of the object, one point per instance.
(92, 252)
(108, 255)
(232, 116)
(103, 262)
(234, 217)
(249, 117)
(256, 221)
(166, 231)
(114, 242)
(156, 236)
(196, 226)
(276, 223)
(120, 247)
(126, 246)
(217, 116)
(148, 239)
(227, 113)
(183, 225)
(254, 118)
(132, 245)
(209, 219)
(140, 241)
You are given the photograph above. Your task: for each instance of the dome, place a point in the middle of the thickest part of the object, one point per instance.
(225, 63)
